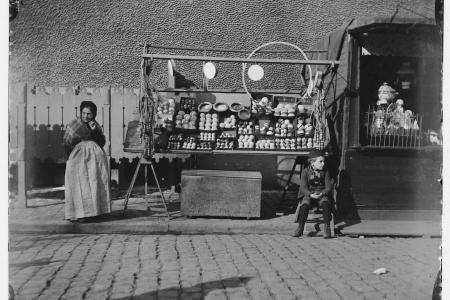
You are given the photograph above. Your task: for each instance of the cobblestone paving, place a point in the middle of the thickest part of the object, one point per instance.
(220, 267)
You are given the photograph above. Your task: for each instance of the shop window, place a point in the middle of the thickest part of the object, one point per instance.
(400, 102)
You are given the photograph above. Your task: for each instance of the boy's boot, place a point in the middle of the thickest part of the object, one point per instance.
(326, 231)
(299, 231)
(326, 211)
(302, 216)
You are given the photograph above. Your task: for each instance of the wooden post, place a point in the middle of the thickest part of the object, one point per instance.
(107, 127)
(21, 146)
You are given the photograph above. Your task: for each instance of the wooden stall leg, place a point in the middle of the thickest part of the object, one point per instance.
(332, 225)
(146, 186)
(296, 162)
(160, 191)
(130, 188)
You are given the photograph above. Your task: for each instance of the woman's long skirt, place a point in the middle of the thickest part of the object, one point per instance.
(87, 190)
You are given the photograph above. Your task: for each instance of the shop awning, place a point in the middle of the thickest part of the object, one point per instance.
(390, 25)
(379, 36)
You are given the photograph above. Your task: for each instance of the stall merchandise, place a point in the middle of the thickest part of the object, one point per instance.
(389, 124)
(289, 122)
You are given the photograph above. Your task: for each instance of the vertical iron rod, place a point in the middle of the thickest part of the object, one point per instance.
(130, 188)
(160, 191)
(146, 186)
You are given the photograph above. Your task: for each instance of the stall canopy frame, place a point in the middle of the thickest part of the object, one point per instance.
(148, 56)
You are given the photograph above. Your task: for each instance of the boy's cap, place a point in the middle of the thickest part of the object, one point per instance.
(315, 153)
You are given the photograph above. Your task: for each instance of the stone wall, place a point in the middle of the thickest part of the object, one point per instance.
(98, 43)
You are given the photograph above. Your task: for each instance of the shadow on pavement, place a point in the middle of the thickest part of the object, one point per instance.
(43, 205)
(40, 238)
(34, 263)
(58, 194)
(55, 194)
(120, 215)
(193, 292)
(345, 223)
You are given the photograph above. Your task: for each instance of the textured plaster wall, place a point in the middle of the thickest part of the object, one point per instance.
(97, 43)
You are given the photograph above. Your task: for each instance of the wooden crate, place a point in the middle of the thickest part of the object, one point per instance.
(221, 193)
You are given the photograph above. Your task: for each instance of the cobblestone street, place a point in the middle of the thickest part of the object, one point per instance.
(220, 267)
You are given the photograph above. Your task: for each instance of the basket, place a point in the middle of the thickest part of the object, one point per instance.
(220, 106)
(236, 107)
(205, 107)
(244, 114)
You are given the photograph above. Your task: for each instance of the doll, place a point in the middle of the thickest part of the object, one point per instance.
(309, 129)
(300, 128)
(399, 106)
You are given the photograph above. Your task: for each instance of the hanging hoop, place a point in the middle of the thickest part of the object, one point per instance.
(244, 66)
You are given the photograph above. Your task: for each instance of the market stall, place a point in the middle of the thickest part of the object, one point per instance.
(264, 122)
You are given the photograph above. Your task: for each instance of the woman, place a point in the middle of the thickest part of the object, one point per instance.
(87, 190)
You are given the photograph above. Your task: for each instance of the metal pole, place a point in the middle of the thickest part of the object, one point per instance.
(107, 127)
(241, 60)
(231, 50)
(159, 188)
(146, 186)
(21, 147)
(130, 188)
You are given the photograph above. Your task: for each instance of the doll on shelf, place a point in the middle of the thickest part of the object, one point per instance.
(300, 128)
(399, 106)
(386, 95)
(309, 129)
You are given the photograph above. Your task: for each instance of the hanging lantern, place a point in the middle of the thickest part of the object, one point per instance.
(209, 69)
(405, 76)
(255, 72)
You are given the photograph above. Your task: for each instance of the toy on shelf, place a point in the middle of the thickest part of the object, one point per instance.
(187, 104)
(300, 128)
(207, 136)
(386, 95)
(245, 127)
(285, 144)
(262, 107)
(208, 121)
(185, 120)
(309, 129)
(164, 114)
(205, 145)
(189, 143)
(265, 144)
(284, 128)
(224, 144)
(174, 145)
(228, 123)
(301, 109)
(389, 117)
(246, 142)
(285, 110)
(228, 134)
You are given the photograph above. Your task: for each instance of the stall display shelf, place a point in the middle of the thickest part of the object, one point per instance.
(303, 152)
(188, 104)
(285, 117)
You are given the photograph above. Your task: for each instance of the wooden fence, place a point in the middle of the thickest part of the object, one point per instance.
(39, 115)
(49, 110)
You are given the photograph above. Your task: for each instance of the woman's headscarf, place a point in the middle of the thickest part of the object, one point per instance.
(91, 105)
